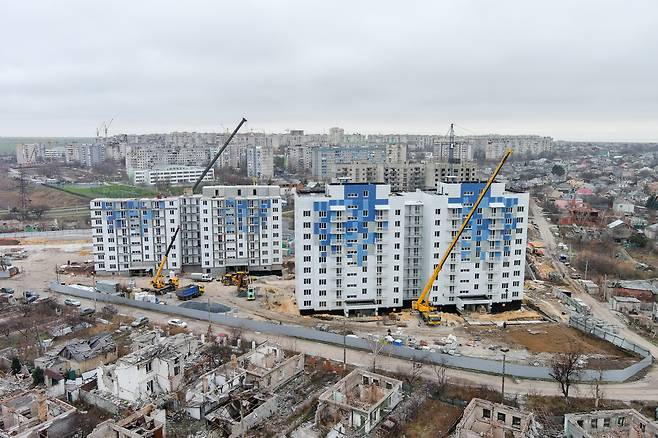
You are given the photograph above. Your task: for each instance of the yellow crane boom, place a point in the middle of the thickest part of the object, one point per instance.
(157, 280)
(422, 304)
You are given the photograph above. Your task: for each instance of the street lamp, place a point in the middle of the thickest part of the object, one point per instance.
(502, 390)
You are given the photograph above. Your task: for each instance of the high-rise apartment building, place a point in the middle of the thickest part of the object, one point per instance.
(336, 135)
(409, 176)
(531, 145)
(260, 162)
(88, 154)
(324, 158)
(30, 153)
(361, 249)
(225, 228)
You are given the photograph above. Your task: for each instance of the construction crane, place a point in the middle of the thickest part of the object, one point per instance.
(158, 281)
(423, 305)
(212, 162)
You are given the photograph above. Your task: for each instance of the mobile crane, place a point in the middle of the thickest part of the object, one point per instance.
(159, 283)
(422, 305)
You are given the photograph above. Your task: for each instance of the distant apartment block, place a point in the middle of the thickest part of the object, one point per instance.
(170, 175)
(336, 136)
(30, 153)
(361, 248)
(87, 154)
(521, 144)
(325, 158)
(224, 228)
(260, 162)
(462, 150)
(406, 176)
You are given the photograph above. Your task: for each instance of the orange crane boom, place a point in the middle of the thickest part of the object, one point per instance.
(422, 304)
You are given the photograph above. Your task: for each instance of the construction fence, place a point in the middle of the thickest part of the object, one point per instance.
(428, 357)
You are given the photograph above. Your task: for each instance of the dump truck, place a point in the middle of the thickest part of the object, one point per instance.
(190, 291)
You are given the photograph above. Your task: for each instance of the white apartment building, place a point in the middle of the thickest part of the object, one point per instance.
(224, 228)
(88, 154)
(336, 136)
(462, 150)
(405, 176)
(260, 162)
(521, 144)
(360, 248)
(170, 175)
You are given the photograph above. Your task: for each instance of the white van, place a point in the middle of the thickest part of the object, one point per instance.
(198, 276)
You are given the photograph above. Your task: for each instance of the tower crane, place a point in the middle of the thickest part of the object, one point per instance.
(422, 305)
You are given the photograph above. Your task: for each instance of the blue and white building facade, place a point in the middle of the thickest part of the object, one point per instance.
(361, 248)
(225, 228)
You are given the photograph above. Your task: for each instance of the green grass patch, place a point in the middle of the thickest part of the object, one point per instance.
(107, 191)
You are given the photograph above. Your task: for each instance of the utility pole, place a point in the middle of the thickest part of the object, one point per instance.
(23, 199)
(502, 389)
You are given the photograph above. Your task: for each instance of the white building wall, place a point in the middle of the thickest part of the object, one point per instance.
(486, 268)
(227, 227)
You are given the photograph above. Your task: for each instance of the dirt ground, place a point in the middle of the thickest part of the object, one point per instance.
(38, 194)
(441, 416)
(548, 338)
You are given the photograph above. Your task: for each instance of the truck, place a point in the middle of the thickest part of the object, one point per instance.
(198, 276)
(190, 291)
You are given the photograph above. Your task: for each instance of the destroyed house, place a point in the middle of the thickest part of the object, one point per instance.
(152, 370)
(485, 418)
(620, 423)
(79, 355)
(34, 415)
(268, 366)
(147, 422)
(358, 402)
(213, 389)
(265, 369)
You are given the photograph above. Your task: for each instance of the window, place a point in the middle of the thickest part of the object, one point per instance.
(307, 303)
(516, 421)
(307, 213)
(149, 366)
(307, 292)
(501, 417)
(486, 413)
(149, 386)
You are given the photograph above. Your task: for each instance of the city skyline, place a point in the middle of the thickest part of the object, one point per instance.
(509, 68)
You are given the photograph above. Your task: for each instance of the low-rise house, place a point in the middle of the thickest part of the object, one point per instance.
(623, 206)
(651, 232)
(620, 423)
(79, 356)
(644, 290)
(358, 402)
(32, 414)
(620, 231)
(148, 422)
(152, 370)
(625, 304)
(213, 389)
(485, 418)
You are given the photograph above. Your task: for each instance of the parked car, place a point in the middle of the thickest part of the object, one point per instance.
(6, 290)
(72, 302)
(140, 321)
(177, 323)
(87, 311)
(30, 296)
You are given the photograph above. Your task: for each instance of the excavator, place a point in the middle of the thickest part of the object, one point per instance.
(422, 305)
(159, 282)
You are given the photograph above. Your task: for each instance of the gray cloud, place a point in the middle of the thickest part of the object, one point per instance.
(577, 70)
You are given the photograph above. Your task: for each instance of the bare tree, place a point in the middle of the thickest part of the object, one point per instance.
(376, 346)
(440, 372)
(565, 368)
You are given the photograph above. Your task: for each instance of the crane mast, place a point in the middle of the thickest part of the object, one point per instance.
(422, 304)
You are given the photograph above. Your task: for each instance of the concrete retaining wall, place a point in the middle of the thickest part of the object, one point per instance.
(463, 362)
(55, 233)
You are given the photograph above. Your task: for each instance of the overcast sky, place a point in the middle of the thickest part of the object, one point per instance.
(583, 70)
